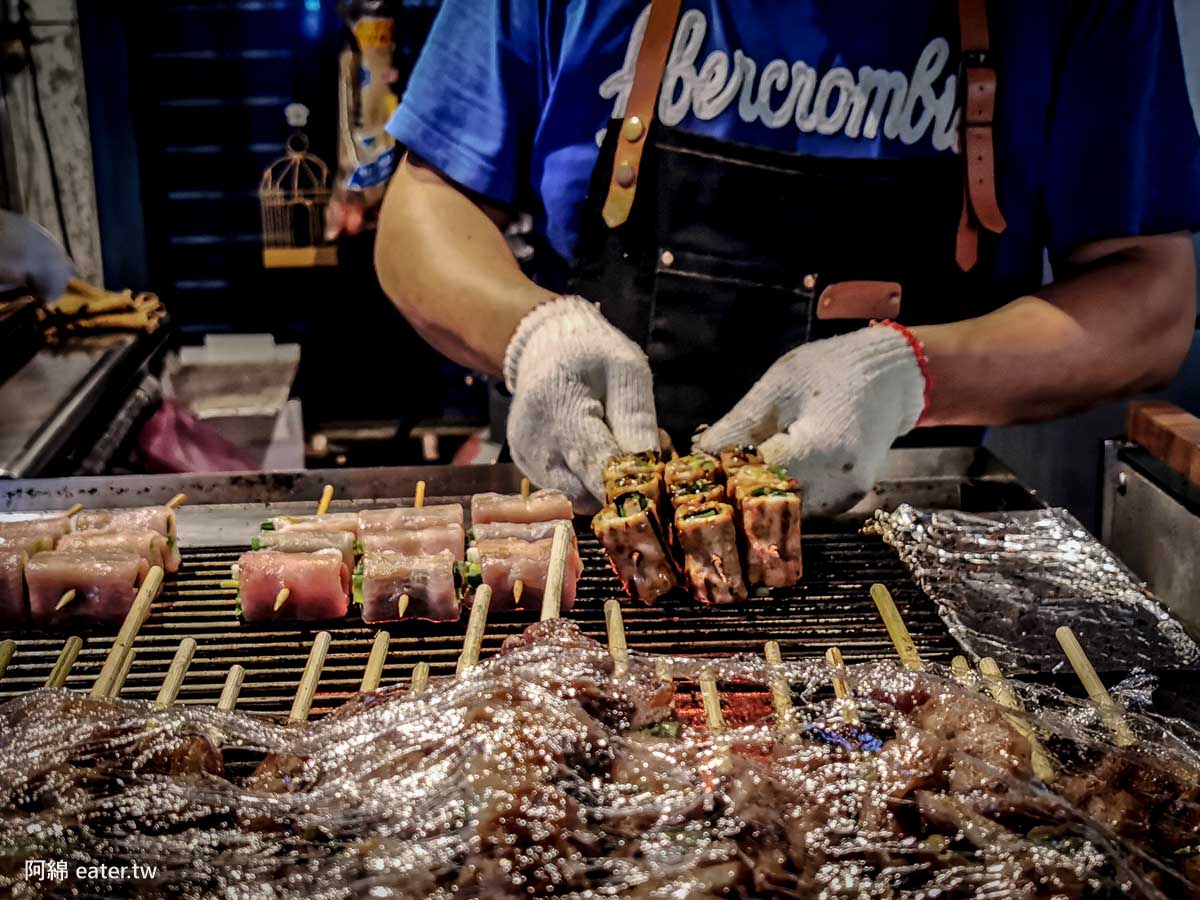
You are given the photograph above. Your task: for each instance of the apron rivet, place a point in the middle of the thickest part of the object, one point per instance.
(810, 282)
(625, 175)
(633, 129)
(668, 258)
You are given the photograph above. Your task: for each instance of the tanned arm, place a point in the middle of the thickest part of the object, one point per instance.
(442, 258)
(1120, 321)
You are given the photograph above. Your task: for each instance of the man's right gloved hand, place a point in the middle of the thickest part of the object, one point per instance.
(582, 392)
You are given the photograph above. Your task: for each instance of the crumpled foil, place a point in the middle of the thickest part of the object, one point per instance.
(1004, 581)
(550, 771)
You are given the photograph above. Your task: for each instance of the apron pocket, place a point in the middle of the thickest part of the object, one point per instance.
(716, 324)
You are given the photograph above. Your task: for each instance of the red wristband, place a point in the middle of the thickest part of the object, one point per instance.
(918, 350)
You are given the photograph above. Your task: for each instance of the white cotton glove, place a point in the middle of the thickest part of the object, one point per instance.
(582, 392)
(827, 412)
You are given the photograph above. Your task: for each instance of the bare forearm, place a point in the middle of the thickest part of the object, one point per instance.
(443, 261)
(1120, 323)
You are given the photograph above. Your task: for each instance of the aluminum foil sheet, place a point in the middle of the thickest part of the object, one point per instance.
(1004, 581)
(550, 771)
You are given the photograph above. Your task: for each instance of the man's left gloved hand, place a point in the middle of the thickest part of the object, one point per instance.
(828, 411)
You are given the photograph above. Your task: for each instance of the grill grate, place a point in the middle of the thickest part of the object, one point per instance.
(830, 606)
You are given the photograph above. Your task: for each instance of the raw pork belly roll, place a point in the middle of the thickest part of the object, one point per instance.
(522, 531)
(318, 585)
(154, 518)
(409, 518)
(539, 507)
(346, 521)
(34, 535)
(504, 561)
(12, 586)
(105, 584)
(710, 556)
(307, 542)
(428, 581)
(149, 545)
(734, 458)
(696, 466)
(769, 509)
(634, 542)
(428, 541)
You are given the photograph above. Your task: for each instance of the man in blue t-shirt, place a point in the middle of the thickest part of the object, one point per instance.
(741, 190)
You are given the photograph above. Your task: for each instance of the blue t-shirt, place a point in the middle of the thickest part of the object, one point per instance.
(1095, 136)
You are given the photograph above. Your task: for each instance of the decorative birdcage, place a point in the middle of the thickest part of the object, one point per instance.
(294, 193)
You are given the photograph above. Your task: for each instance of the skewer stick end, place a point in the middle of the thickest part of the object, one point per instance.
(525, 488)
(66, 598)
(402, 606)
(419, 496)
(177, 501)
(420, 678)
(281, 598)
(326, 499)
(74, 510)
(518, 590)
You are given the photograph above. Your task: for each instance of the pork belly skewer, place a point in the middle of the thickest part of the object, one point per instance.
(318, 584)
(419, 679)
(841, 686)
(34, 535)
(711, 563)
(392, 586)
(781, 691)
(1039, 759)
(768, 509)
(636, 547)
(138, 613)
(232, 688)
(1096, 691)
(154, 518)
(537, 507)
(618, 649)
(373, 674)
(476, 625)
(66, 660)
(896, 629)
(176, 672)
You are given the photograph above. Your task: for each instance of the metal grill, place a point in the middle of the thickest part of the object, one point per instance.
(830, 606)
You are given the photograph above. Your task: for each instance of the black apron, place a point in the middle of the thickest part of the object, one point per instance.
(717, 271)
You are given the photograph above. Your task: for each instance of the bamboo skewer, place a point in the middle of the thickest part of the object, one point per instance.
(232, 688)
(781, 691)
(74, 511)
(7, 650)
(518, 590)
(307, 688)
(122, 674)
(896, 629)
(138, 613)
(476, 625)
(552, 598)
(960, 667)
(618, 648)
(420, 678)
(1096, 690)
(525, 488)
(841, 686)
(177, 501)
(175, 674)
(66, 659)
(281, 598)
(375, 662)
(711, 698)
(1043, 768)
(67, 597)
(326, 499)
(419, 495)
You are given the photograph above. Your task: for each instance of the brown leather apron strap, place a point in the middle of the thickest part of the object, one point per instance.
(980, 206)
(639, 111)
